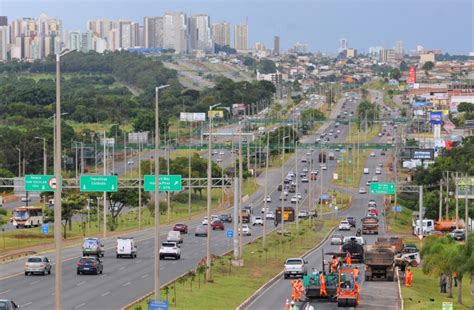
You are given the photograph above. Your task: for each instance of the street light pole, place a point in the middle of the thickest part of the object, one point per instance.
(282, 189)
(19, 161)
(264, 239)
(157, 197)
(44, 154)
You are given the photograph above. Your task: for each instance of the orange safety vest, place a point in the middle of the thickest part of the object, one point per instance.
(349, 260)
(334, 264)
(322, 289)
(408, 278)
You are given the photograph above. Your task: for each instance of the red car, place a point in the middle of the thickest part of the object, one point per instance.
(217, 224)
(183, 228)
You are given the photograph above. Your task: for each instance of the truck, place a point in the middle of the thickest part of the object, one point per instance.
(92, 246)
(370, 225)
(312, 285)
(395, 242)
(289, 215)
(331, 155)
(245, 216)
(379, 262)
(355, 248)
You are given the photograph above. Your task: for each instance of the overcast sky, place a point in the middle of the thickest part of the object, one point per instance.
(444, 24)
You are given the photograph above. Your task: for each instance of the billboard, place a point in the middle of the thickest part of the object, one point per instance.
(108, 141)
(238, 109)
(192, 117)
(436, 118)
(138, 137)
(215, 114)
(422, 154)
(411, 75)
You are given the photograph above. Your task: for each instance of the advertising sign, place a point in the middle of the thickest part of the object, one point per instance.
(422, 154)
(215, 114)
(138, 137)
(288, 215)
(238, 109)
(411, 75)
(436, 118)
(192, 117)
(107, 141)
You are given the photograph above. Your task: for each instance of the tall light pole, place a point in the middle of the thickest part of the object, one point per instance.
(19, 161)
(282, 189)
(209, 197)
(44, 154)
(57, 192)
(264, 239)
(157, 196)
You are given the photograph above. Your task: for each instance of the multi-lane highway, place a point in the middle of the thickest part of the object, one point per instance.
(112, 289)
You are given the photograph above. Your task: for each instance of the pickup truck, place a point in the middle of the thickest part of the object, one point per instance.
(295, 267)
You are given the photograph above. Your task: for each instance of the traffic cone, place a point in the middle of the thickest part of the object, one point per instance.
(287, 305)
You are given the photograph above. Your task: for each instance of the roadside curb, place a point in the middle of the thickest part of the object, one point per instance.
(257, 293)
(401, 305)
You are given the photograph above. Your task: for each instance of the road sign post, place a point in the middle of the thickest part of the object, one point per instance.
(168, 183)
(158, 304)
(40, 183)
(230, 233)
(98, 183)
(45, 229)
(380, 188)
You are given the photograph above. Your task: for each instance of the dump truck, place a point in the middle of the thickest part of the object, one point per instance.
(379, 262)
(395, 242)
(245, 216)
(370, 225)
(356, 250)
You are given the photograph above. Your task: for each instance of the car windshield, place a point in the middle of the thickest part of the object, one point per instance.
(294, 262)
(34, 260)
(90, 243)
(168, 245)
(87, 260)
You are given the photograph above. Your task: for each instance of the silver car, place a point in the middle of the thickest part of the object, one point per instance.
(37, 264)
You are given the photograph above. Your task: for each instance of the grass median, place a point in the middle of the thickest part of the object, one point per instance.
(360, 136)
(232, 285)
(350, 172)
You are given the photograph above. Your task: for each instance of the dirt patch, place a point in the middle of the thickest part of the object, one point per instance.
(318, 227)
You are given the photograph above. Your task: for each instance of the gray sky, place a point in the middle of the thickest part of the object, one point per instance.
(445, 24)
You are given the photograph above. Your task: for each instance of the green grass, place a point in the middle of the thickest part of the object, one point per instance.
(97, 127)
(426, 287)
(360, 135)
(350, 174)
(343, 201)
(232, 285)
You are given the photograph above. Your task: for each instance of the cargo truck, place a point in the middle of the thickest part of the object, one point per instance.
(370, 225)
(379, 262)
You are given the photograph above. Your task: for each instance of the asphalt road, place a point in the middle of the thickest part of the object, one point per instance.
(125, 280)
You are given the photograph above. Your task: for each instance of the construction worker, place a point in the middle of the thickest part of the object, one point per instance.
(294, 290)
(408, 278)
(334, 264)
(356, 273)
(348, 259)
(299, 289)
(322, 282)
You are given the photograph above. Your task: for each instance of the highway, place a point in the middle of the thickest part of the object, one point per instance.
(112, 289)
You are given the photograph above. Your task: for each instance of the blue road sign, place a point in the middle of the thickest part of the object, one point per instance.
(230, 233)
(157, 304)
(324, 196)
(397, 209)
(45, 229)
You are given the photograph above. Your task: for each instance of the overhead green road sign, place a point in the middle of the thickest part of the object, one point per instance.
(388, 188)
(168, 183)
(99, 183)
(40, 183)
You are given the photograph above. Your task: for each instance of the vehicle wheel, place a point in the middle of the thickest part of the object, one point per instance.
(49, 271)
(285, 276)
(195, 235)
(26, 273)
(101, 271)
(161, 257)
(179, 257)
(96, 272)
(340, 303)
(44, 272)
(367, 278)
(135, 255)
(78, 272)
(118, 256)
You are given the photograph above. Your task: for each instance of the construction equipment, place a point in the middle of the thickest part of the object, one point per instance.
(370, 225)
(348, 290)
(379, 262)
(312, 285)
(355, 249)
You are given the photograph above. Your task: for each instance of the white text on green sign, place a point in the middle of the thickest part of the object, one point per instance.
(99, 183)
(168, 183)
(40, 183)
(387, 188)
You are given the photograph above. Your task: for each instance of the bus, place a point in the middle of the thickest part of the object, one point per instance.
(27, 217)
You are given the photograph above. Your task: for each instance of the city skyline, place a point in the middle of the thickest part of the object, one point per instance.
(421, 25)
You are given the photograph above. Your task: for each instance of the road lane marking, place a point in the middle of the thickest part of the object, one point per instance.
(138, 262)
(105, 294)
(80, 283)
(78, 306)
(102, 276)
(145, 275)
(34, 282)
(4, 292)
(161, 268)
(126, 284)
(26, 305)
(121, 268)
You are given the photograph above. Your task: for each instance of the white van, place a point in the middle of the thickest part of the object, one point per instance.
(174, 236)
(366, 170)
(126, 247)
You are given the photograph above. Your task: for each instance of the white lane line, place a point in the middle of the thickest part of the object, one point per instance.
(145, 275)
(175, 262)
(4, 292)
(138, 262)
(102, 276)
(126, 284)
(80, 283)
(26, 305)
(78, 306)
(34, 282)
(105, 294)
(123, 267)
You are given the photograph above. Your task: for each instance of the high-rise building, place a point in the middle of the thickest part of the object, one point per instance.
(74, 42)
(125, 34)
(86, 42)
(153, 31)
(259, 46)
(241, 37)
(4, 42)
(276, 45)
(220, 33)
(175, 32)
(387, 55)
(343, 45)
(199, 26)
(3, 21)
(374, 51)
(399, 49)
(100, 26)
(300, 48)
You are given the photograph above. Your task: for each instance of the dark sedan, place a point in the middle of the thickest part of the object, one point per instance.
(89, 264)
(183, 228)
(217, 224)
(226, 218)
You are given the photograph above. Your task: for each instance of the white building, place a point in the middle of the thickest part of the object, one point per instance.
(4, 42)
(200, 33)
(241, 37)
(220, 33)
(153, 31)
(175, 32)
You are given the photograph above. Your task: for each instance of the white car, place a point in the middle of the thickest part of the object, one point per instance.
(221, 153)
(204, 221)
(362, 190)
(130, 162)
(246, 231)
(174, 236)
(299, 196)
(304, 160)
(359, 240)
(270, 215)
(37, 264)
(366, 171)
(170, 249)
(291, 174)
(303, 214)
(344, 225)
(375, 179)
(264, 210)
(219, 160)
(25, 199)
(305, 170)
(324, 167)
(257, 221)
(268, 199)
(304, 179)
(372, 154)
(378, 171)
(283, 196)
(294, 199)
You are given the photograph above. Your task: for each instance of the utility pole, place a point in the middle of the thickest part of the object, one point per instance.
(189, 169)
(296, 177)
(168, 172)
(282, 189)
(264, 239)
(440, 211)
(456, 193)
(139, 183)
(104, 230)
(420, 216)
(466, 209)
(241, 246)
(236, 216)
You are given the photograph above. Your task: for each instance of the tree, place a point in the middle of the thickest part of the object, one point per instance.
(466, 107)
(312, 115)
(395, 74)
(403, 66)
(73, 202)
(428, 66)
(266, 66)
(124, 197)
